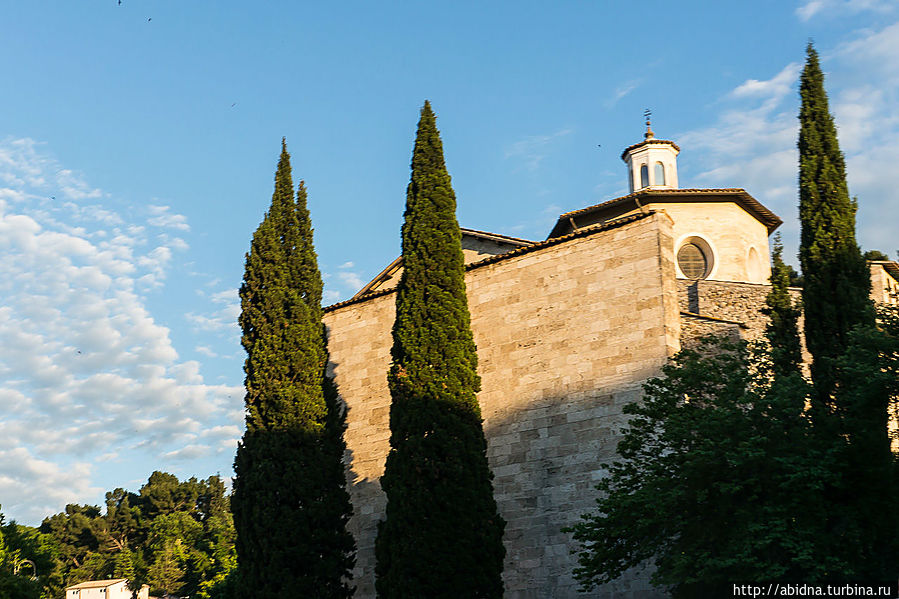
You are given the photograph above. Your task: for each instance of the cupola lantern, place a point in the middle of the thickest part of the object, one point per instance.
(652, 163)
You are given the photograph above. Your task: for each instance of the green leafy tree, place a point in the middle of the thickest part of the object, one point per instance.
(218, 542)
(12, 584)
(836, 280)
(782, 330)
(146, 537)
(868, 492)
(442, 536)
(167, 570)
(875, 255)
(718, 481)
(796, 279)
(76, 532)
(124, 565)
(290, 502)
(40, 550)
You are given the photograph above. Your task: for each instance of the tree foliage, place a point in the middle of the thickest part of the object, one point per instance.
(853, 388)
(875, 255)
(726, 475)
(718, 481)
(290, 502)
(782, 330)
(13, 583)
(867, 497)
(123, 541)
(836, 280)
(442, 536)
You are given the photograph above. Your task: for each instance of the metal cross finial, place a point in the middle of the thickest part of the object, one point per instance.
(649, 134)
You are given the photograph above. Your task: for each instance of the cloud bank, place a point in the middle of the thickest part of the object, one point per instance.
(87, 375)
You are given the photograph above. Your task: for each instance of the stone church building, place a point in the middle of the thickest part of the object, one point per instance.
(567, 331)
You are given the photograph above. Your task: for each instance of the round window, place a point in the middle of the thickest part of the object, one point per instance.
(692, 261)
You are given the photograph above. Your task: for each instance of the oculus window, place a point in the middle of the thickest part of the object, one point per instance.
(693, 261)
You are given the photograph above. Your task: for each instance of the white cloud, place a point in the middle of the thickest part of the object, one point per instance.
(534, 149)
(222, 316)
(752, 144)
(774, 89)
(342, 284)
(809, 9)
(873, 54)
(188, 452)
(86, 371)
(351, 280)
(74, 187)
(32, 488)
(835, 8)
(161, 217)
(623, 90)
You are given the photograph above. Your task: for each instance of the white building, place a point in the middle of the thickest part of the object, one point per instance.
(105, 589)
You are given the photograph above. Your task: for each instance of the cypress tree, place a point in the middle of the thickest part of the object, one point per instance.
(442, 536)
(837, 283)
(782, 330)
(852, 387)
(290, 502)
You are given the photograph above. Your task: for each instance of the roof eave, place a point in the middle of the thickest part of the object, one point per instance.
(753, 206)
(539, 245)
(890, 266)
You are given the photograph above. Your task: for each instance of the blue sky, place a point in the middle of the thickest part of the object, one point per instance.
(138, 143)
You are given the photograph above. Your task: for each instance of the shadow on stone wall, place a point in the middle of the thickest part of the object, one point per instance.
(368, 508)
(546, 456)
(547, 459)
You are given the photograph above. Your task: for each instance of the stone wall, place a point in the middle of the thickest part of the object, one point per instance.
(728, 308)
(884, 283)
(726, 300)
(567, 331)
(693, 327)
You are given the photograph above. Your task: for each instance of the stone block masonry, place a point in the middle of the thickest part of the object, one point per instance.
(728, 308)
(726, 300)
(567, 331)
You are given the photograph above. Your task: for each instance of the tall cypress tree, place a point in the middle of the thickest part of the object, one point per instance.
(442, 536)
(290, 502)
(852, 385)
(837, 283)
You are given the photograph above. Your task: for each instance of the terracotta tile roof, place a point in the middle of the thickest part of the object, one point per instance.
(888, 265)
(97, 584)
(397, 263)
(737, 195)
(495, 236)
(538, 245)
(384, 275)
(647, 142)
